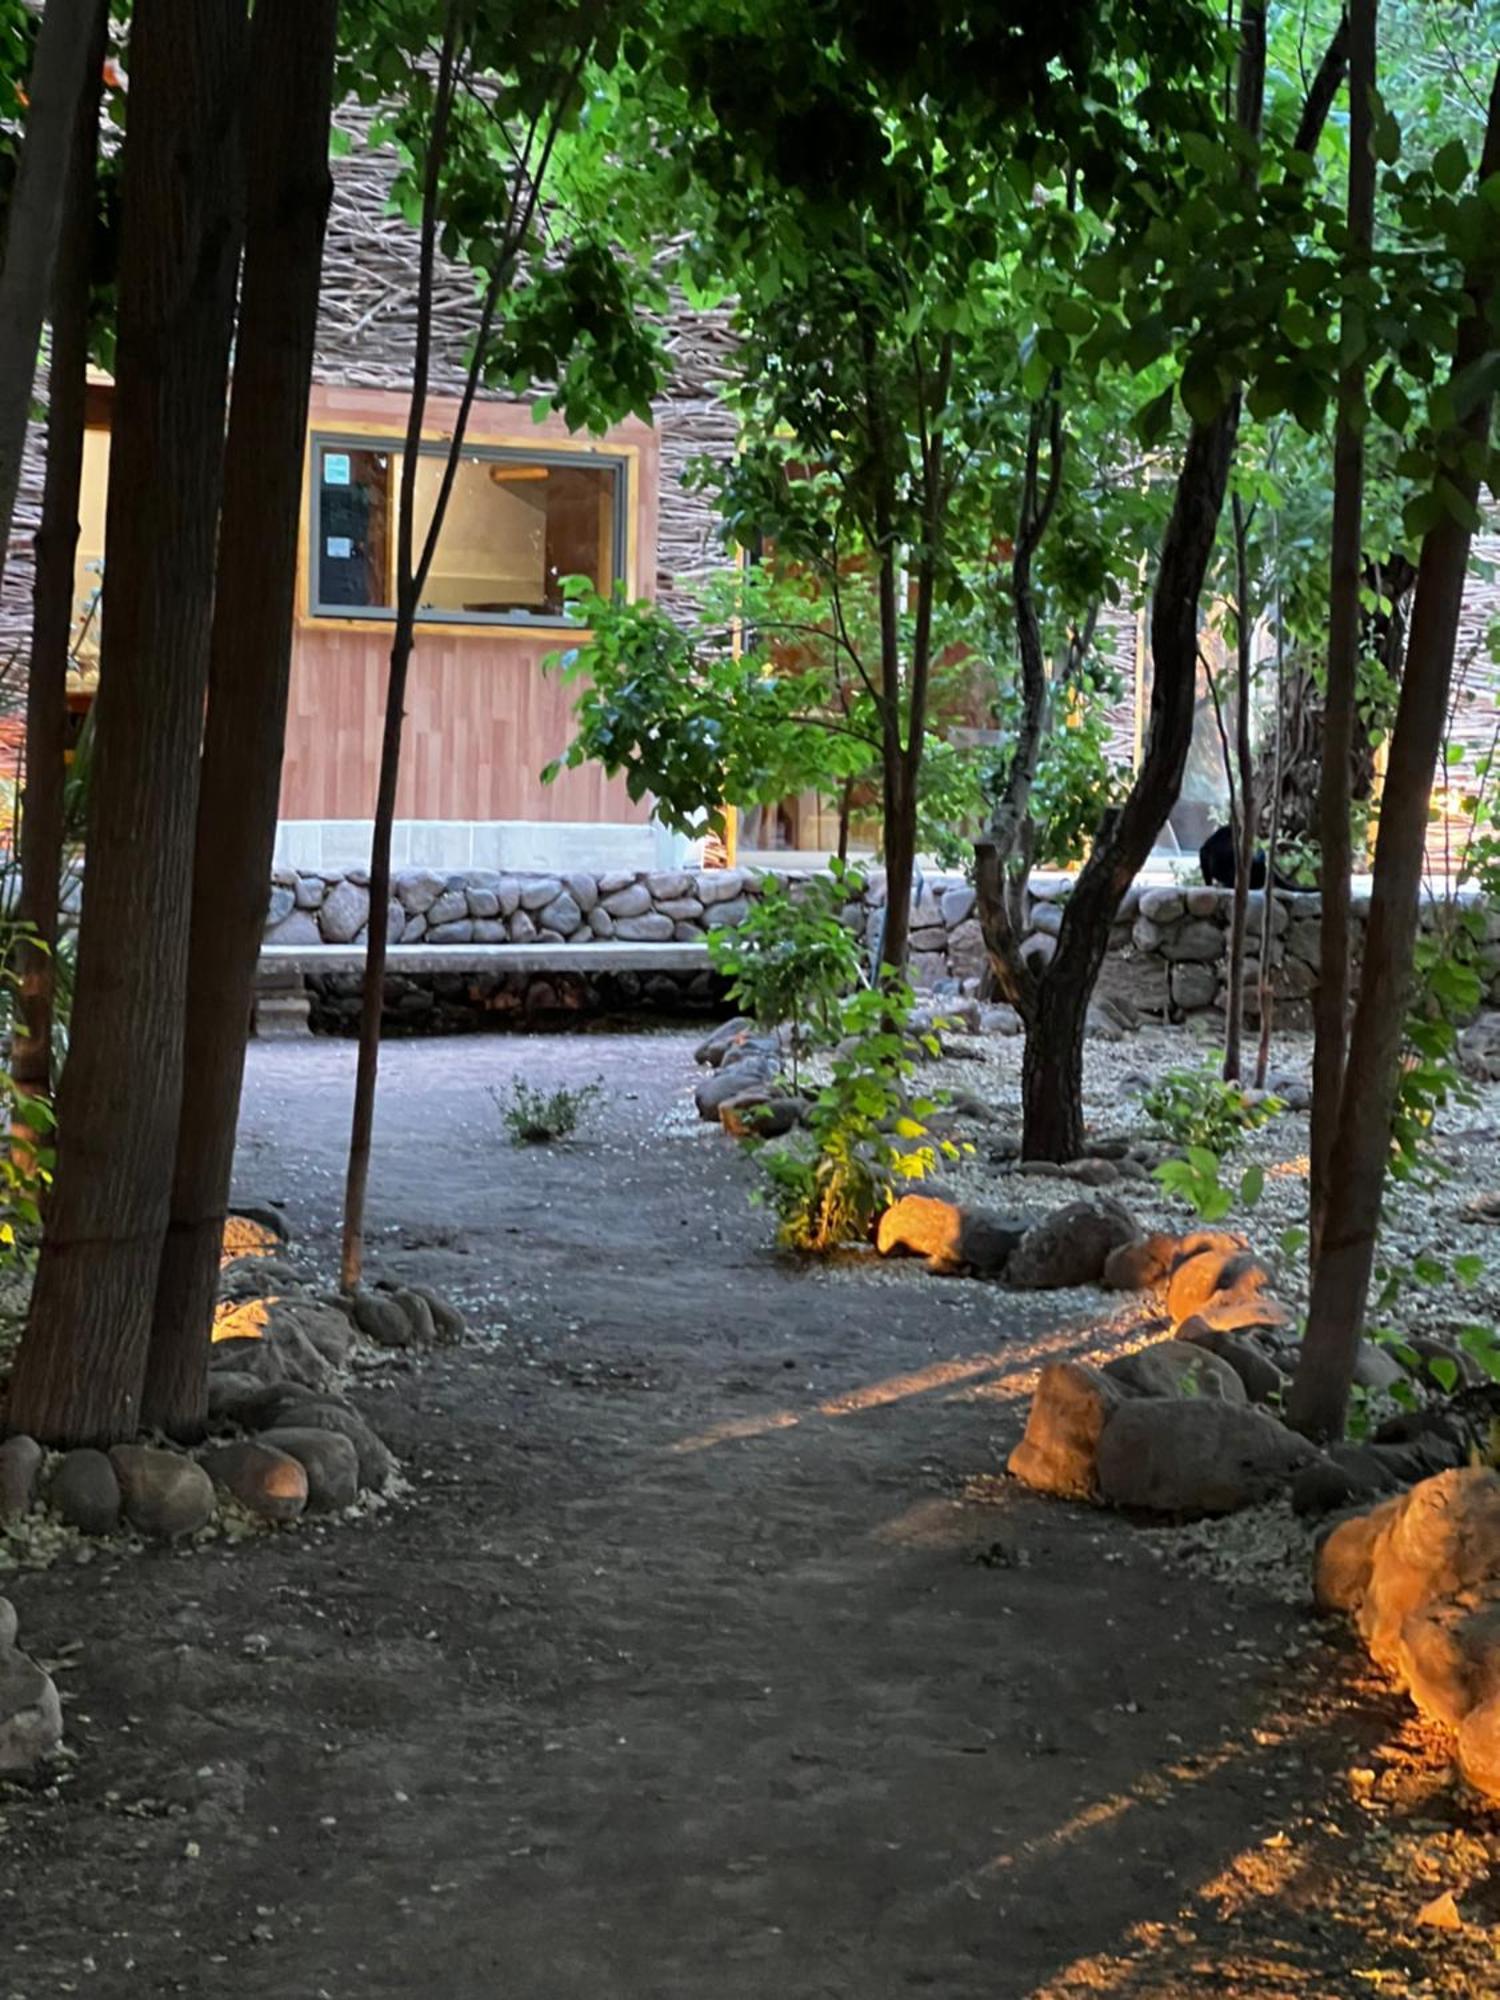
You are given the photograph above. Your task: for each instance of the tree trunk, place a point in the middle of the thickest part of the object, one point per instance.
(1052, 1077)
(66, 43)
(1351, 1216)
(1244, 817)
(1331, 996)
(900, 867)
(288, 184)
(52, 604)
(408, 585)
(81, 1367)
(1273, 845)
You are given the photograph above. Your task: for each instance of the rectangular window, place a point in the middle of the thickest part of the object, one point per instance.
(517, 523)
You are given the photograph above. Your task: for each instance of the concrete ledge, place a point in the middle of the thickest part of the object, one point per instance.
(601, 956)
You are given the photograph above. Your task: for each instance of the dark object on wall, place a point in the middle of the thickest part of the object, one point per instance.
(1216, 859)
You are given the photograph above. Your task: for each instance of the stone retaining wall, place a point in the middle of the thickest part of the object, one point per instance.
(1168, 949)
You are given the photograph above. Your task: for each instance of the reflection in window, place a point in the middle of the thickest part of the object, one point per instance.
(515, 526)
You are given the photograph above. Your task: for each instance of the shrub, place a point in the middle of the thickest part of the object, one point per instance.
(793, 960)
(866, 1133)
(537, 1117)
(1197, 1109)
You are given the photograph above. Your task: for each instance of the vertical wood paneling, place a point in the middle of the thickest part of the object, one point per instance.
(482, 718)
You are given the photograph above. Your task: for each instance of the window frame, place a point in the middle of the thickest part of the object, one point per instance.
(617, 463)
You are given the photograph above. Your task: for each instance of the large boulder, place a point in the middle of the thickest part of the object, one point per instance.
(1176, 1368)
(1072, 1405)
(1420, 1576)
(953, 1239)
(1196, 1455)
(1070, 1246)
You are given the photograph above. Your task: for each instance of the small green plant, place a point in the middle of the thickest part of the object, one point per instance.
(1194, 1177)
(1198, 1110)
(793, 960)
(537, 1117)
(866, 1133)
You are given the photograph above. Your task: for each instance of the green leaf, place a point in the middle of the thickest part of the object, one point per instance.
(1252, 1184)
(1154, 419)
(1450, 166)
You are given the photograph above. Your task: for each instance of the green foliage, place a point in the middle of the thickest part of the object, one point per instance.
(1198, 1109)
(1195, 1179)
(537, 1117)
(1076, 779)
(688, 720)
(793, 960)
(866, 1134)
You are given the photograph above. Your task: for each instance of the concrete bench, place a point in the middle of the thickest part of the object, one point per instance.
(282, 1004)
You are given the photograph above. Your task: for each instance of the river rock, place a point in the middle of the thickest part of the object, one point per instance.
(30, 1714)
(84, 1492)
(1069, 1411)
(653, 928)
(329, 1460)
(1176, 1368)
(269, 1483)
(1259, 1374)
(953, 1239)
(1212, 1279)
(733, 1080)
(345, 912)
(632, 902)
(1196, 1456)
(166, 1495)
(380, 1318)
(235, 1397)
(1070, 1246)
(20, 1468)
(377, 1466)
(562, 915)
(1142, 1266)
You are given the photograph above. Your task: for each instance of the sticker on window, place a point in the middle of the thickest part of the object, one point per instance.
(339, 548)
(336, 469)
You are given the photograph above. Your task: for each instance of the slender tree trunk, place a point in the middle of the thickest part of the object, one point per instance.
(1244, 817)
(1273, 842)
(1331, 996)
(900, 865)
(287, 178)
(52, 604)
(66, 43)
(1351, 1215)
(408, 584)
(81, 1366)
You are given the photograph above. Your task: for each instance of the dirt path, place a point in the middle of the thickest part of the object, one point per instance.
(710, 1659)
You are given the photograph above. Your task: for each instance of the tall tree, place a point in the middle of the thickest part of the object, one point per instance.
(1448, 513)
(291, 59)
(42, 816)
(81, 1367)
(1345, 621)
(1229, 314)
(66, 47)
